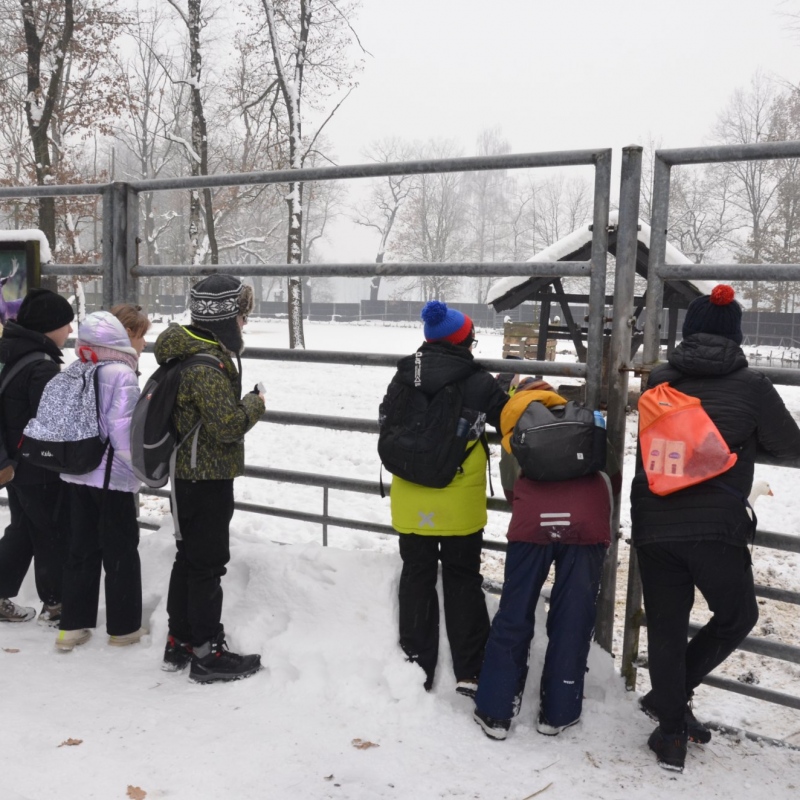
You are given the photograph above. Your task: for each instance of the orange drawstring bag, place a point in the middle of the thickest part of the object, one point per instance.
(680, 444)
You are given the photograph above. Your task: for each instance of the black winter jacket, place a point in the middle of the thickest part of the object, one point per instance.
(749, 414)
(20, 401)
(444, 363)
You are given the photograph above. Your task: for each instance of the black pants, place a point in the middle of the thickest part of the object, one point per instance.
(105, 533)
(39, 531)
(465, 614)
(194, 604)
(670, 572)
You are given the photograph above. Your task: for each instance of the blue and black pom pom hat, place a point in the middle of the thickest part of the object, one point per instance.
(443, 324)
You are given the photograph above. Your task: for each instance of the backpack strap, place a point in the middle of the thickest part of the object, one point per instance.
(20, 365)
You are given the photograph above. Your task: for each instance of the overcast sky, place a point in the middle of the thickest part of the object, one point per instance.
(558, 75)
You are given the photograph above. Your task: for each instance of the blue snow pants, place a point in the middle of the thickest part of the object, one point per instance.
(570, 624)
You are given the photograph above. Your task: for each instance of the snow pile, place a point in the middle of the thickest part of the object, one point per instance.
(30, 235)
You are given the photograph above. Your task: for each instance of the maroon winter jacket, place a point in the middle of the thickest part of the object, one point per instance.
(576, 511)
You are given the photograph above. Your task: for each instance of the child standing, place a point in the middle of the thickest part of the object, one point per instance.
(103, 502)
(563, 522)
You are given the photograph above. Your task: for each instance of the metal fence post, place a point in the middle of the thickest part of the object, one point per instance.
(325, 517)
(619, 365)
(120, 240)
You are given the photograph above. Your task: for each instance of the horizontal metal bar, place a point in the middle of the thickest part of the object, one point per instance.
(564, 369)
(730, 272)
(366, 270)
(762, 647)
(563, 158)
(748, 689)
(72, 269)
(735, 152)
(781, 595)
(786, 542)
(62, 190)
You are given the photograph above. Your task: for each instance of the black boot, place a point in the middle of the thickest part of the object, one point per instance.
(670, 748)
(697, 731)
(177, 655)
(213, 662)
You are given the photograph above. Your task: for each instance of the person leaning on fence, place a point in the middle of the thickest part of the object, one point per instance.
(698, 537)
(39, 527)
(566, 523)
(103, 502)
(446, 524)
(213, 456)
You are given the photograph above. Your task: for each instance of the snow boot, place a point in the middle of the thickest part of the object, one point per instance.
(212, 662)
(11, 612)
(468, 687)
(177, 655)
(50, 616)
(546, 729)
(670, 748)
(697, 731)
(496, 729)
(68, 640)
(128, 638)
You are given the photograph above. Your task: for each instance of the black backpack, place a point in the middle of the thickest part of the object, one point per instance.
(154, 437)
(559, 443)
(423, 438)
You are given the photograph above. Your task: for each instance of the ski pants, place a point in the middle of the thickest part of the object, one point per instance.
(670, 572)
(570, 624)
(465, 614)
(39, 531)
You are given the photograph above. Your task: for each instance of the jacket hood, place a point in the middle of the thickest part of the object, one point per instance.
(707, 354)
(515, 407)
(434, 365)
(182, 341)
(18, 342)
(103, 329)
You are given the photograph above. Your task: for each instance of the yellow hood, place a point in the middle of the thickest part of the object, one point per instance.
(518, 403)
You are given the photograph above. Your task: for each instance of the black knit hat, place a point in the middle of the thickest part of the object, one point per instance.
(717, 313)
(216, 302)
(44, 311)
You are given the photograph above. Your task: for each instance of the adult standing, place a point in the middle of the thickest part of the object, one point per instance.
(698, 537)
(30, 351)
(446, 524)
(212, 413)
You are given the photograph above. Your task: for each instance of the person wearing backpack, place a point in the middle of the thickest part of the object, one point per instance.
(30, 351)
(212, 416)
(446, 523)
(697, 538)
(563, 522)
(103, 502)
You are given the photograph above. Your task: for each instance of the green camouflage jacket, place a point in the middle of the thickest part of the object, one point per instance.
(212, 396)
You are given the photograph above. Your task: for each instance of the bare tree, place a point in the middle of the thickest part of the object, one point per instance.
(387, 195)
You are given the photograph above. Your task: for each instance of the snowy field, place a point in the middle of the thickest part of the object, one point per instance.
(337, 713)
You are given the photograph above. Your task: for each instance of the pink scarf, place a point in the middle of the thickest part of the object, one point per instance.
(99, 352)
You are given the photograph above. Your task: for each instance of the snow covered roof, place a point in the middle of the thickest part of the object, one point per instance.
(30, 235)
(573, 242)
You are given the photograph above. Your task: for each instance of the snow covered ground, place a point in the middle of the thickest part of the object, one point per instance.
(337, 713)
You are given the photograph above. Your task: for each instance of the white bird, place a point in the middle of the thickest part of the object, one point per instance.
(759, 488)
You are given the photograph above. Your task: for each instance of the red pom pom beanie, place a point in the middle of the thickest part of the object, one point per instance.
(445, 324)
(717, 313)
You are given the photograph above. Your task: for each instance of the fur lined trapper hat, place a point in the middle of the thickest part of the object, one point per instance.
(215, 304)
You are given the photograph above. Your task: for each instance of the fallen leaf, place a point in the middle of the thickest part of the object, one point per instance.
(71, 743)
(135, 793)
(360, 744)
(10, 650)
(328, 778)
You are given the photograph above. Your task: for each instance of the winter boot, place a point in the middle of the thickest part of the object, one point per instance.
(494, 728)
(670, 748)
(546, 729)
(697, 731)
(213, 662)
(68, 640)
(128, 638)
(50, 616)
(468, 687)
(177, 655)
(11, 612)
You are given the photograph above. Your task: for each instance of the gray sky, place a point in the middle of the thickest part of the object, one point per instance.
(568, 75)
